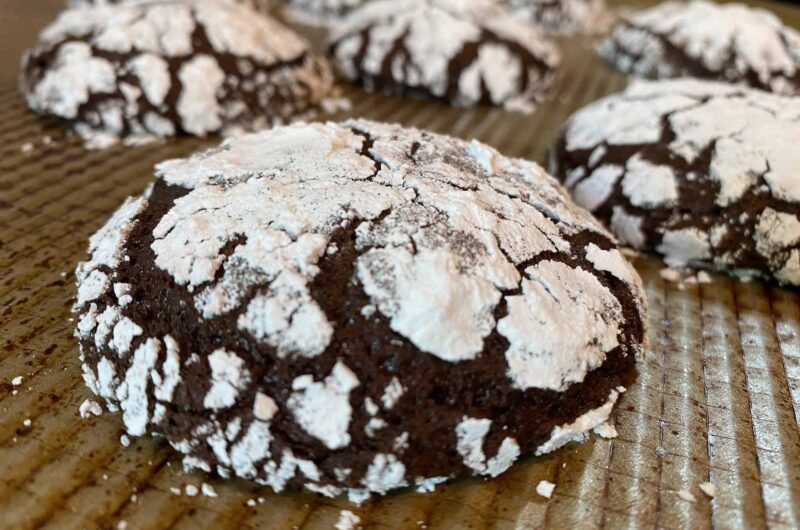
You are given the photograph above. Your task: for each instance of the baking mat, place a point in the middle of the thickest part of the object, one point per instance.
(717, 399)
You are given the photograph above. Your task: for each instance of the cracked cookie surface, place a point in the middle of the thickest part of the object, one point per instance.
(704, 173)
(461, 52)
(732, 42)
(355, 308)
(144, 70)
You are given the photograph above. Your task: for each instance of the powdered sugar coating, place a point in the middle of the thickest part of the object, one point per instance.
(156, 68)
(464, 52)
(703, 39)
(708, 177)
(255, 372)
(562, 16)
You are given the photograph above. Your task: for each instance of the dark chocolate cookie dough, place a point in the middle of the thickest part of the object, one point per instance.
(732, 42)
(357, 307)
(160, 68)
(704, 173)
(465, 52)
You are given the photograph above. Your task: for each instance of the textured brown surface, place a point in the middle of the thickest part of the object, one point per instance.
(717, 399)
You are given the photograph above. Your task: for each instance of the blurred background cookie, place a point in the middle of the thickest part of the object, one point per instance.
(156, 69)
(462, 52)
(704, 173)
(562, 16)
(730, 42)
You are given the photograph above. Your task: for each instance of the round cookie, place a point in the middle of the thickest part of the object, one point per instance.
(357, 307)
(562, 16)
(731, 42)
(462, 51)
(704, 173)
(156, 69)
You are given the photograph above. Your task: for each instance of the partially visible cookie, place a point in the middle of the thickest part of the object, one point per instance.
(562, 16)
(731, 42)
(161, 68)
(356, 308)
(321, 12)
(261, 5)
(706, 174)
(462, 51)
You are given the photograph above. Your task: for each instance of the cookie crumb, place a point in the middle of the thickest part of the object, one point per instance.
(629, 252)
(545, 488)
(670, 275)
(333, 105)
(606, 430)
(685, 495)
(703, 277)
(709, 489)
(208, 490)
(90, 407)
(347, 521)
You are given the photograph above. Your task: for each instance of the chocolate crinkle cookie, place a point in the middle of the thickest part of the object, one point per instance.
(321, 12)
(731, 42)
(261, 5)
(562, 16)
(704, 173)
(356, 308)
(155, 69)
(462, 51)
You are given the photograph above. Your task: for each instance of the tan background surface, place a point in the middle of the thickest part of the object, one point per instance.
(718, 398)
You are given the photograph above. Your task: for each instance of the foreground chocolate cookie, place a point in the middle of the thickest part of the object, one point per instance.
(562, 16)
(462, 51)
(704, 173)
(156, 69)
(357, 307)
(731, 42)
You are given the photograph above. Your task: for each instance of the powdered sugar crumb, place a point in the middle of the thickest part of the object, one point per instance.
(685, 495)
(545, 489)
(709, 489)
(347, 521)
(90, 407)
(208, 490)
